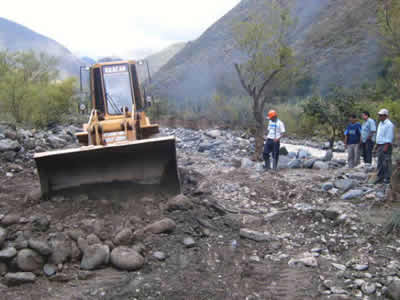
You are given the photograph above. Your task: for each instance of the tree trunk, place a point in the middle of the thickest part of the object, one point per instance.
(332, 139)
(259, 135)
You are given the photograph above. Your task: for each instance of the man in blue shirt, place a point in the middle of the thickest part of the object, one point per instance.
(352, 141)
(368, 130)
(384, 148)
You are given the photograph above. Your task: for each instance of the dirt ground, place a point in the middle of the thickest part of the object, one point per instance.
(221, 264)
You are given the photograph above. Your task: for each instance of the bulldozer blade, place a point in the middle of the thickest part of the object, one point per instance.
(150, 162)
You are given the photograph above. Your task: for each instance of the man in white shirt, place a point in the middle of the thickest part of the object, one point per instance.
(384, 141)
(276, 129)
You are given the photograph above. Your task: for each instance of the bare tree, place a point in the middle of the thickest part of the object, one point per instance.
(267, 58)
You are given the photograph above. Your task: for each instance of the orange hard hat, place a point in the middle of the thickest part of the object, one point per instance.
(272, 114)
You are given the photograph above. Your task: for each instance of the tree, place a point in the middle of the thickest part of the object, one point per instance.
(263, 40)
(30, 90)
(333, 111)
(389, 29)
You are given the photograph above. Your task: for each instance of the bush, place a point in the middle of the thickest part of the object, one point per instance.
(29, 90)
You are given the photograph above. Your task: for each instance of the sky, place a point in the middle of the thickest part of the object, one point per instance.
(125, 28)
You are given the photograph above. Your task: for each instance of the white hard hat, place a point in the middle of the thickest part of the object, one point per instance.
(384, 112)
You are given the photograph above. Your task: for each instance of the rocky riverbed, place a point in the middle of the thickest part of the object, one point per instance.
(313, 230)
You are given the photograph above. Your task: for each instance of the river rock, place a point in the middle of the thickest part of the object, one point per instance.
(213, 133)
(328, 156)
(163, 226)
(352, 194)
(41, 247)
(8, 253)
(29, 260)
(309, 163)
(127, 259)
(295, 164)
(93, 239)
(3, 236)
(19, 278)
(95, 256)
(180, 202)
(124, 237)
(393, 290)
(159, 255)
(49, 269)
(308, 261)
(9, 145)
(303, 154)
(61, 248)
(205, 147)
(189, 242)
(246, 163)
(56, 142)
(327, 186)
(320, 165)
(3, 268)
(368, 288)
(344, 184)
(40, 223)
(254, 235)
(10, 219)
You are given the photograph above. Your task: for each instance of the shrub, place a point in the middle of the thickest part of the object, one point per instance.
(29, 90)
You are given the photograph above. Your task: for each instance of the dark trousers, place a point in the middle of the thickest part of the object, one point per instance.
(367, 149)
(384, 163)
(271, 147)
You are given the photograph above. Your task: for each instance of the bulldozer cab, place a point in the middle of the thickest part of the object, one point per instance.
(115, 88)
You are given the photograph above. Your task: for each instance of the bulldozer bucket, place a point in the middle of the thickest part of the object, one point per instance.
(150, 162)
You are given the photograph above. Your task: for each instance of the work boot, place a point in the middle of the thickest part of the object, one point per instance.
(267, 165)
(275, 164)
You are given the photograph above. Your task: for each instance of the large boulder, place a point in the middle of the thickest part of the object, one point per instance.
(127, 259)
(29, 260)
(95, 256)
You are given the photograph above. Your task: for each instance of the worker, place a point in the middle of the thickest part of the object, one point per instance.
(393, 194)
(368, 131)
(352, 141)
(384, 147)
(276, 129)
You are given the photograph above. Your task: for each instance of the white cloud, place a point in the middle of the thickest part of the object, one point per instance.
(104, 27)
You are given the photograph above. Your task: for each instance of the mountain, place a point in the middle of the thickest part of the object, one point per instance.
(15, 37)
(88, 60)
(333, 36)
(159, 59)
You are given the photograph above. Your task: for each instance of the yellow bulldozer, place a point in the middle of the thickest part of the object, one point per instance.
(117, 144)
